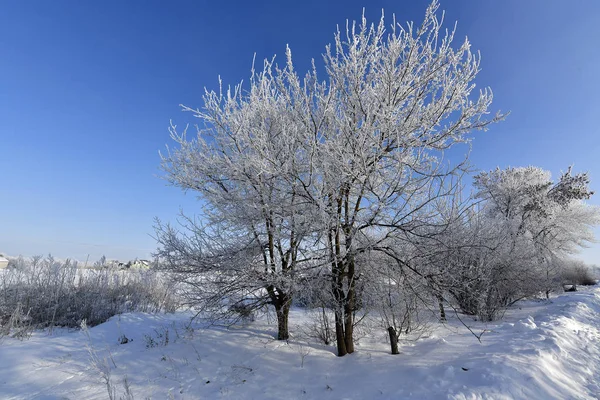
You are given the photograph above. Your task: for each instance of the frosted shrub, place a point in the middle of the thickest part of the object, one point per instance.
(319, 326)
(576, 272)
(43, 293)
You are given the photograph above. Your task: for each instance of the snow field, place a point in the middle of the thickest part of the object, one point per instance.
(541, 350)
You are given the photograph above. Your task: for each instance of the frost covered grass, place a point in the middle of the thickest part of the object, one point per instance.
(45, 293)
(541, 350)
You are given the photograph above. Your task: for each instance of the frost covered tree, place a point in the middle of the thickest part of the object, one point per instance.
(392, 103)
(510, 242)
(253, 221)
(473, 264)
(549, 217)
(329, 168)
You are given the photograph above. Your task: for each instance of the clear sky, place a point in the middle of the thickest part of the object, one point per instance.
(87, 89)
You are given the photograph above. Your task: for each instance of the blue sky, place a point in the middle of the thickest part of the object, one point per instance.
(87, 90)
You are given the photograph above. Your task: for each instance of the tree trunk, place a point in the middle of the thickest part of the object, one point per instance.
(339, 334)
(349, 307)
(339, 301)
(282, 309)
(393, 340)
(282, 303)
(349, 320)
(442, 311)
(326, 328)
(349, 332)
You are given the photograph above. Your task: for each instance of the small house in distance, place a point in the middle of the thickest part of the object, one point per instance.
(137, 263)
(3, 262)
(144, 264)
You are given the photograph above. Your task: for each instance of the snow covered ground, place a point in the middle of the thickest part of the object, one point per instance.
(540, 350)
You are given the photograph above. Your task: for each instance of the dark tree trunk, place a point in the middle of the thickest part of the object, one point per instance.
(442, 311)
(349, 332)
(282, 303)
(339, 334)
(349, 318)
(283, 311)
(343, 284)
(326, 327)
(393, 340)
(339, 301)
(350, 300)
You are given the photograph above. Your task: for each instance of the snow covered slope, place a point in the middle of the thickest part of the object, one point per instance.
(541, 350)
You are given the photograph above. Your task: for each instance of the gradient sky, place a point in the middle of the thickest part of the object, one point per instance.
(87, 90)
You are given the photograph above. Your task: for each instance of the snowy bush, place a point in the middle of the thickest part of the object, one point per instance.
(577, 273)
(242, 311)
(43, 292)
